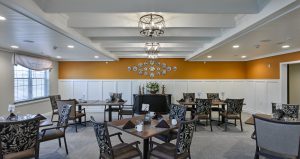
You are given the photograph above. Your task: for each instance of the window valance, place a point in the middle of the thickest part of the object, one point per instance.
(33, 63)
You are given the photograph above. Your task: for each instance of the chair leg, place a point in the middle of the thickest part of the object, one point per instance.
(226, 121)
(206, 122)
(52, 117)
(85, 120)
(75, 124)
(210, 125)
(241, 124)
(66, 146)
(234, 122)
(59, 142)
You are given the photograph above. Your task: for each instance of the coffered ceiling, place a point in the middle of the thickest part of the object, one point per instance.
(109, 29)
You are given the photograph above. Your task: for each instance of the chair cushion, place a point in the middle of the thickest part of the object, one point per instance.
(203, 116)
(20, 155)
(216, 109)
(167, 136)
(167, 151)
(123, 151)
(52, 134)
(230, 116)
(78, 115)
(126, 112)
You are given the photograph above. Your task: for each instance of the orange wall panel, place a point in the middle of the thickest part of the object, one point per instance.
(185, 70)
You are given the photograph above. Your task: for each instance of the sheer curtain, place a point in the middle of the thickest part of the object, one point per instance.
(33, 63)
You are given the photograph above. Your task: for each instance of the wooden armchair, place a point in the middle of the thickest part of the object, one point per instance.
(126, 110)
(19, 139)
(120, 151)
(53, 100)
(233, 112)
(181, 149)
(59, 131)
(203, 110)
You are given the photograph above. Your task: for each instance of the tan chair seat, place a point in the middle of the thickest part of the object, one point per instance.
(230, 116)
(167, 151)
(52, 134)
(123, 151)
(20, 155)
(203, 116)
(78, 115)
(126, 112)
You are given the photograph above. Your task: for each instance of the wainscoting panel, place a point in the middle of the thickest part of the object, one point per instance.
(258, 94)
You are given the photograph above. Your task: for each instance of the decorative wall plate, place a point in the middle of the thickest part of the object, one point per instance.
(151, 75)
(140, 65)
(152, 68)
(169, 68)
(164, 72)
(174, 68)
(157, 73)
(163, 65)
(140, 72)
(145, 68)
(145, 73)
(134, 68)
(152, 62)
(129, 68)
(158, 68)
(145, 63)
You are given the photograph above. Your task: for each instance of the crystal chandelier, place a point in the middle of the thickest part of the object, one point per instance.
(152, 25)
(152, 49)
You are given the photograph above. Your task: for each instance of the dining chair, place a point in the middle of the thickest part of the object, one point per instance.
(177, 112)
(114, 97)
(276, 139)
(290, 110)
(214, 96)
(189, 96)
(59, 131)
(233, 112)
(179, 150)
(119, 151)
(53, 103)
(74, 114)
(19, 139)
(126, 110)
(203, 110)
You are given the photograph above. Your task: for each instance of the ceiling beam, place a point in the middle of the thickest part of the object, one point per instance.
(132, 49)
(142, 45)
(186, 6)
(97, 20)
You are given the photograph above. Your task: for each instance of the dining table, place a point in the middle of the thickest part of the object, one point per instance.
(100, 103)
(44, 122)
(149, 130)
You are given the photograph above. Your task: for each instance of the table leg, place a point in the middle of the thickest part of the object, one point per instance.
(109, 113)
(79, 109)
(223, 108)
(146, 148)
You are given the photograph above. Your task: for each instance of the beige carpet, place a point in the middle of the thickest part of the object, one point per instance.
(218, 144)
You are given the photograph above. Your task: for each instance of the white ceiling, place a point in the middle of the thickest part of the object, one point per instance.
(108, 29)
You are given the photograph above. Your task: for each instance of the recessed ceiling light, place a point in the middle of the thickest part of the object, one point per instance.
(14, 46)
(236, 46)
(285, 46)
(71, 46)
(96, 57)
(209, 56)
(243, 56)
(59, 57)
(2, 18)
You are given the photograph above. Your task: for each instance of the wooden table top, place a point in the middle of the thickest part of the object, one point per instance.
(214, 102)
(250, 121)
(43, 123)
(99, 103)
(148, 130)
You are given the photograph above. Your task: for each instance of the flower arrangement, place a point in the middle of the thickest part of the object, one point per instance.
(152, 87)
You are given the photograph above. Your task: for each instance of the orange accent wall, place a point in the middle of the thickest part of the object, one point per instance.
(255, 69)
(185, 70)
(258, 69)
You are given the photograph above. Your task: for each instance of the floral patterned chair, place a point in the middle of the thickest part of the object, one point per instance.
(53, 100)
(120, 151)
(290, 110)
(203, 110)
(176, 112)
(181, 149)
(234, 111)
(19, 139)
(59, 131)
(214, 96)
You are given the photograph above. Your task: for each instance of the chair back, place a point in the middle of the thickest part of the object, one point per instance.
(185, 136)
(177, 112)
(203, 106)
(71, 102)
(189, 96)
(213, 96)
(277, 136)
(234, 106)
(19, 136)
(102, 136)
(64, 110)
(53, 100)
(290, 110)
(274, 107)
(116, 97)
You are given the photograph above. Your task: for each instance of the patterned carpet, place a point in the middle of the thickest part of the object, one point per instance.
(218, 144)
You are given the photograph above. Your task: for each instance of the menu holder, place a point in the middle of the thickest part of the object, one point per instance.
(129, 125)
(162, 124)
(157, 116)
(121, 100)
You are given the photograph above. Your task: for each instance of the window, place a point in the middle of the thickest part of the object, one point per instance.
(30, 84)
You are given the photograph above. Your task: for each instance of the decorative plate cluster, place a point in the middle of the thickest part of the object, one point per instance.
(152, 68)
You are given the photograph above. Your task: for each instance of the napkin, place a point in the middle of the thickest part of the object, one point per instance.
(162, 124)
(129, 125)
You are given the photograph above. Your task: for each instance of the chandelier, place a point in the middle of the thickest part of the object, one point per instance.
(152, 49)
(152, 25)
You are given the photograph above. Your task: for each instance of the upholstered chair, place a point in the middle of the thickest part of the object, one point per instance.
(181, 149)
(213, 96)
(290, 110)
(53, 103)
(119, 151)
(188, 96)
(19, 139)
(233, 112)
(203, 110)
(126, 110)
(59, 131)
(276, 139)
(74, 114)
(176, 112)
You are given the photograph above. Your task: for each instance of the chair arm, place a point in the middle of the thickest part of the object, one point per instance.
(83, 109)
(119, 136)
(46, 129)
(136, 143)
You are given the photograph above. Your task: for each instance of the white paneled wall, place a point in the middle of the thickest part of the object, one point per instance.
(258, 94)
